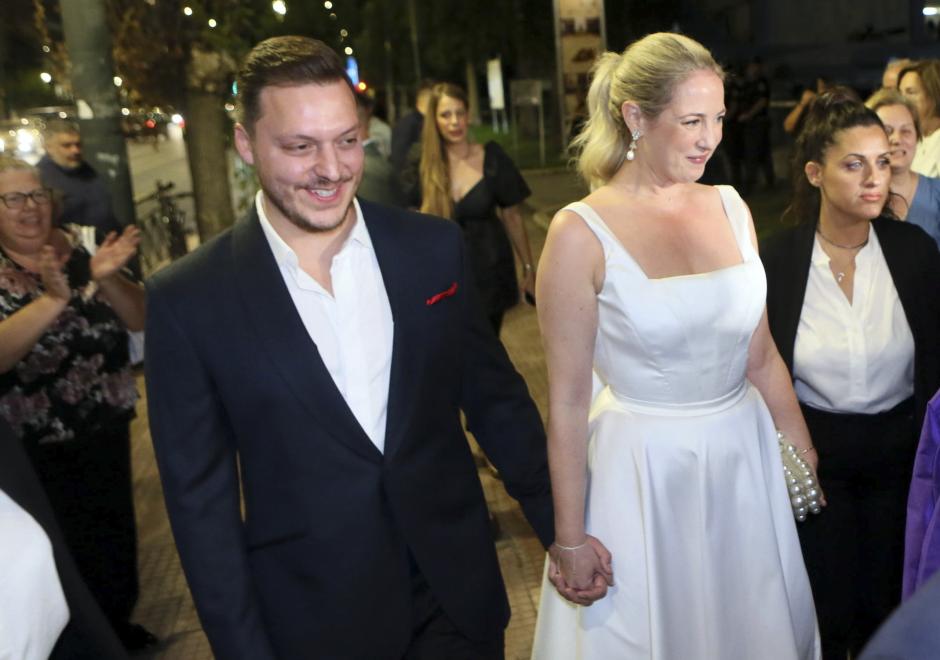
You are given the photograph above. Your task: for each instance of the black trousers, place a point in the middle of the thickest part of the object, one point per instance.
(854, 549)
(434, 636)
(88, 482)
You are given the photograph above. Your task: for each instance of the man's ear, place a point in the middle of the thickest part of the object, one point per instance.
(243, 144)
(813, 171)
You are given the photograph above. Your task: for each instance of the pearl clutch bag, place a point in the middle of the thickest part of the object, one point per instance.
(802, 486)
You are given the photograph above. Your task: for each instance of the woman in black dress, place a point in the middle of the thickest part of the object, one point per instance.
(480, 188)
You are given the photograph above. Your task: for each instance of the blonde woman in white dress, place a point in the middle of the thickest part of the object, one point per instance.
(675, 538)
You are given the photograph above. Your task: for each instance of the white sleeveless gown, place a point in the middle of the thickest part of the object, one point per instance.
(685, 482)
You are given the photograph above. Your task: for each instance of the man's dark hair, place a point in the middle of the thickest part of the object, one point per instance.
(285, 62)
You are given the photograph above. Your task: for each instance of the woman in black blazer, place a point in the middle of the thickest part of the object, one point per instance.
(853, 301)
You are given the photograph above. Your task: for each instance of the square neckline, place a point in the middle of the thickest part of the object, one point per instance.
(636, 264)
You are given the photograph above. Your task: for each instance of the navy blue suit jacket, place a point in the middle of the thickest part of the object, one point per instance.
(241, 404)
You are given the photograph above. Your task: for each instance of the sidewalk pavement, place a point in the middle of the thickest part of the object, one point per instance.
(552, 189)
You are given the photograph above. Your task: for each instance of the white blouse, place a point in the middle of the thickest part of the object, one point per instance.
(858, 357)
(927, 156)
(33, 611)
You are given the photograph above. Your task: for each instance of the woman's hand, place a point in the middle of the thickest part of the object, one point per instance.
(54, 279)
(581, 573)
(114, 253)
(812, 459)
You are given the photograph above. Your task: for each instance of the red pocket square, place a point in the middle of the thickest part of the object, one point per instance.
(446, 293)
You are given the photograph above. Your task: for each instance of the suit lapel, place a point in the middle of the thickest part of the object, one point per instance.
(284, 339)
(404, 296)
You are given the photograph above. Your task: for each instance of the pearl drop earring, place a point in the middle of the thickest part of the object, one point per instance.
(631, 150)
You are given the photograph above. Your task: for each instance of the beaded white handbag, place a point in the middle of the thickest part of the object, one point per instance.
(802, 485)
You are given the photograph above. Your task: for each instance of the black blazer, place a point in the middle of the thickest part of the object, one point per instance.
(914, 264)
(239, 396)
(88, 635)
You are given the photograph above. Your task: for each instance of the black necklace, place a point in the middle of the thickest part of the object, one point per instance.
(840, 246)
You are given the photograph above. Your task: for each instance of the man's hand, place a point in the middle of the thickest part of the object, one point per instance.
(583, 574)
(114, 253)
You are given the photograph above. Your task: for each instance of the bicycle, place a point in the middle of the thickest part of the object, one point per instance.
(163, 229)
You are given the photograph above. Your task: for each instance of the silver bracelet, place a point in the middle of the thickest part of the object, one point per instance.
(570, 548)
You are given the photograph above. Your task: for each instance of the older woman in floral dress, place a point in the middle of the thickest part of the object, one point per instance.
(66, 385)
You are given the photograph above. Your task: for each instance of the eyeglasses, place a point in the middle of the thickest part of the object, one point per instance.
(17, 200)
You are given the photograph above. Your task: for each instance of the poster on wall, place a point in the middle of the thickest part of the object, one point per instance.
(580, 36)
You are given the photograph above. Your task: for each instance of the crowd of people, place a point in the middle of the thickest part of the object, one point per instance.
(311, 373)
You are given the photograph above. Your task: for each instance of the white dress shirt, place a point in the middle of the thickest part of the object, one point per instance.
(33, 611)
(858, 357)
(352, 328)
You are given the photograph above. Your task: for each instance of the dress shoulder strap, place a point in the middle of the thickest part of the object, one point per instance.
(595, 223)
(738, 217)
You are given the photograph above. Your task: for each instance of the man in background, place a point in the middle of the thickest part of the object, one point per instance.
(378, 178)
(86, 200)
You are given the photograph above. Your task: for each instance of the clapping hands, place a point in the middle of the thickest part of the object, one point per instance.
(114, 253)
(581, 573)
(54, 279)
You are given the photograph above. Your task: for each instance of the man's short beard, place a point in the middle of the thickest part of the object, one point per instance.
(301, 222)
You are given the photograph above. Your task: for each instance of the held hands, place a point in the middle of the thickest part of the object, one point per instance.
(527, 285)
(114, 252)
(54, 279)
(581, 573)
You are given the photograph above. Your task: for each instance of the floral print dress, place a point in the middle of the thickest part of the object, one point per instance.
(76, 381)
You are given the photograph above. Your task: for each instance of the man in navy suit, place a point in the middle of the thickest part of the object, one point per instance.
(313, 361)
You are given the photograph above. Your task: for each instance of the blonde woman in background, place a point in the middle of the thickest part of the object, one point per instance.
(672, 517)
(480, 188)
(920, 84)
(914, 197)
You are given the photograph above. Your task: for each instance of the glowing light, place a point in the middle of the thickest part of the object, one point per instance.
(362, 86)
(46, 49)
(229, 107)
(63, 114)
(344, 32)
(212, 22)
(118, 81)
(931, 11)
(328, 4)
(177, 119)
(279, 7)
(188, 11)
(45, 77)
(125, 111)
(333, 16)
(348, 50)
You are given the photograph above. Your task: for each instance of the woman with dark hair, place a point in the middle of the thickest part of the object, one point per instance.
(853, 301)
(480, 188)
